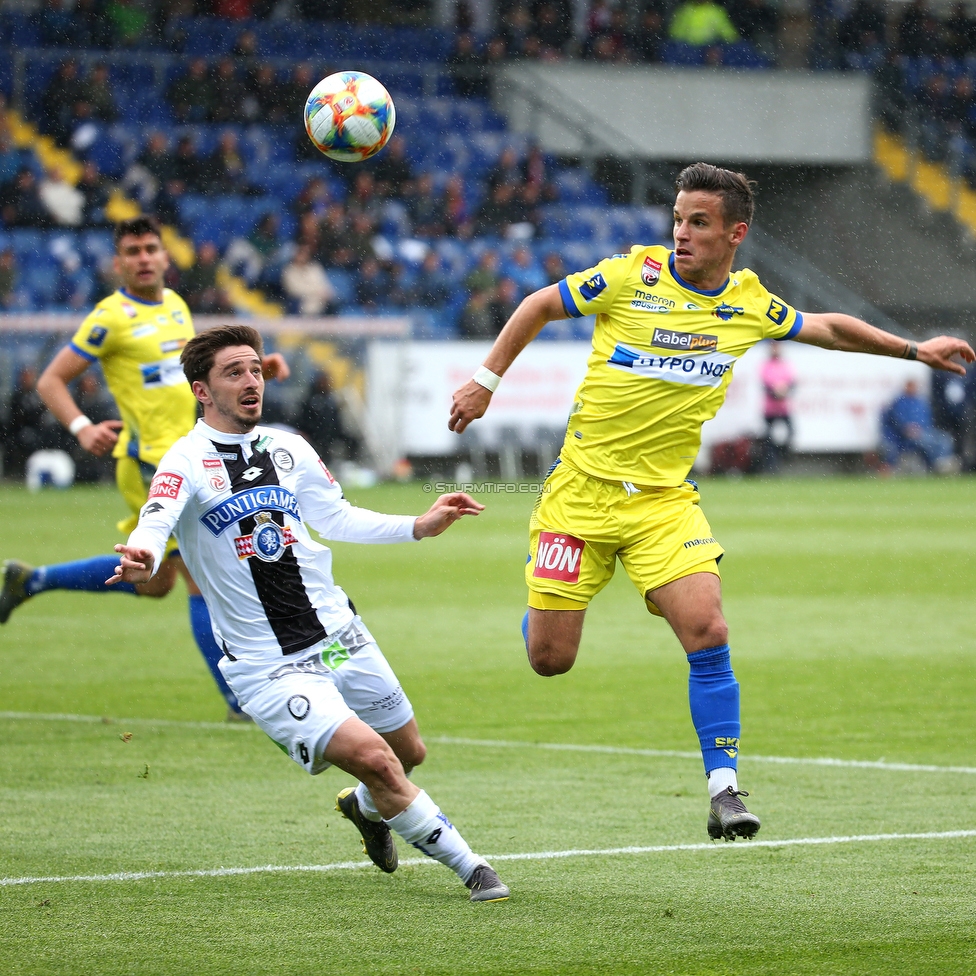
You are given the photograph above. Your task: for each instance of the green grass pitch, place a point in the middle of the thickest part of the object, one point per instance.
(852, 621)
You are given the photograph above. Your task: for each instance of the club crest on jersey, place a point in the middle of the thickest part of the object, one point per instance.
(558, 557)
(727, 312)
(263, 497)
(129, 310)
(299, 706)
(178, 316)
(282, 459)
(165, 484)
(651, 271)
(267, 542)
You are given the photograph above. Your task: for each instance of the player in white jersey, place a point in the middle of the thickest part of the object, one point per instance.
(300, 661)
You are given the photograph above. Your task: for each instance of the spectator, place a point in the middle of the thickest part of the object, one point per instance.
(553, 27)
(506, 300)
(960, 32)
(26, 430)
(20, 205)
(59, 100)
(391, 170)
(363, 198)
(756, 22)
(10, 159)
(524, 271)
(90, 28)
(360, 239)
(863, 30)
(951, 408)
(8, 278)
(906, 427)
(229, 93)
(129, 21)
(651, 32)
(597, 24)
(425, 209)
(702, 23)
(96, 403)
(150, 171)
(192, 96)
(56, 25)
(484, 277)
(516, 29)
(432, 289)
(457, 217)
(223, 169)
(319, 419)
(246, 45)
(187, 167)
(334, 249)
(251, 255)
(910, 28)
(306, 284)
(468, 68)
(477, 321)
(892, 102)
(372, 286)
(554, 268)
(233, 9)
(96, 91)
(199, 285)
(506, 170)
(96, 191)
(778, 379)
(499, 211)
(314, 198)
(264, 100)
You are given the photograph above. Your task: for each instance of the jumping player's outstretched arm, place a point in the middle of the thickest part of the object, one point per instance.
(833, 330)
(535, 311)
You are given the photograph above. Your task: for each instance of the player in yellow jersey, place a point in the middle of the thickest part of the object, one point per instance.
(670, 326)
(136, 334)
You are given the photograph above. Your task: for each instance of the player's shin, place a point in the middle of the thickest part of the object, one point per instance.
(423, 825)
(203, 635)
(713, 694)
(82, 574)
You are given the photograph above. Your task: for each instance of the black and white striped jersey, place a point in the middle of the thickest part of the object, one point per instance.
(239, 505)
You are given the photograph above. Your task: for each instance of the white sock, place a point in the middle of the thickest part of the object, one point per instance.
(366, 804)
(719, 780)
(423, 825)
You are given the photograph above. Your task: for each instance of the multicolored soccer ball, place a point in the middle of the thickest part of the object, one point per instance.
(349, 116)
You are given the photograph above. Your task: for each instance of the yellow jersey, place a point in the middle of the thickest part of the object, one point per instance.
(662, 359)
(138, 344)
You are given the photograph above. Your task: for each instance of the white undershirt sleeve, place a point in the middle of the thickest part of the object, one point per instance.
(344, 523)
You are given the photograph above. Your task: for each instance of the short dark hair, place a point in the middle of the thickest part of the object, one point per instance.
(136, 227)
(198, 354)
(735, 189)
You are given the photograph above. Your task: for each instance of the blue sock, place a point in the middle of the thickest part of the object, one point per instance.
(84, 574)
(525, 629)
(713, 694)
(203, 634)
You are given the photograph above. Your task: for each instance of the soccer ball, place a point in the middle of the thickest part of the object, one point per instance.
(349, 116)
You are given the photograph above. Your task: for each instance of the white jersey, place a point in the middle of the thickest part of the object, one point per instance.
(238, 505)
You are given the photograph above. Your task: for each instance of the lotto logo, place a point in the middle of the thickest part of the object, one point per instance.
(165, 484)
(559, 557)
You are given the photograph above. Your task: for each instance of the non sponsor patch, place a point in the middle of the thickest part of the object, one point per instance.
(299, 706)
(592, 287)
(97, 336)
(144, 330)
(178, 316)
(172, 345)
(650, 271)
(327, 472)
(215, 473)
(282, 459)
(558, 557)
(684, 341)
(165, 484)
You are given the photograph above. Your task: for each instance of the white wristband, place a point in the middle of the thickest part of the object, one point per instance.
(486, 378)
(79, 423)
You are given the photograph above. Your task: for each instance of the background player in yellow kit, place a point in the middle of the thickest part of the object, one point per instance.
(137, 334)
(670, 325)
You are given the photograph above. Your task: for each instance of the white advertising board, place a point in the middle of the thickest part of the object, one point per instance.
(836, 405)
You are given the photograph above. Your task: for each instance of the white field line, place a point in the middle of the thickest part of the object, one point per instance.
(528, 856)
(673, 754)
(514, 744)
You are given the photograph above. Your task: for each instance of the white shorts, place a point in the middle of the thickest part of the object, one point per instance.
(301, 702)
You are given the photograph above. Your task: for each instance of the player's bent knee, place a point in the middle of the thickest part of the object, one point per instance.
(549, 660)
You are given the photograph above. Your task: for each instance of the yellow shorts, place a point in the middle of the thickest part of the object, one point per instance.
(132, 478)
(582, 525)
